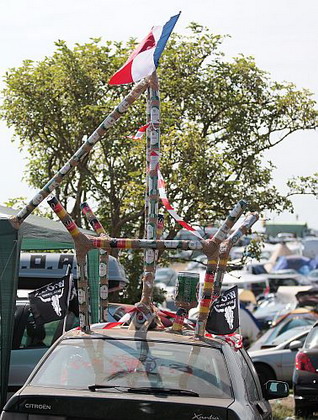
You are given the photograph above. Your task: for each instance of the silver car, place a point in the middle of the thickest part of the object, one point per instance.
(119, 373)
(277, 360)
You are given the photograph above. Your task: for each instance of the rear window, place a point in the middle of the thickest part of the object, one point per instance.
(76, 364)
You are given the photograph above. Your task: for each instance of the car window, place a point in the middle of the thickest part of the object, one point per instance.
(289, 334)
(294, 322)
(312, 339)
(38, 336)
(247, 368)
(301, 339)
(79, 363)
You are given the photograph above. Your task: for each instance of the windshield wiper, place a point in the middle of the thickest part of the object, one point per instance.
(94, 388)
(157, 390)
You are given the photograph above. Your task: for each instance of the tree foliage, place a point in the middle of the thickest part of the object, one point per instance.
(218, 118)
(305, 185)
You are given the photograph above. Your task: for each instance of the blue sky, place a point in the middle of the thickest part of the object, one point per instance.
(281, 35)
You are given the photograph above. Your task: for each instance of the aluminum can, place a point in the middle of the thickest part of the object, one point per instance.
(186, 295)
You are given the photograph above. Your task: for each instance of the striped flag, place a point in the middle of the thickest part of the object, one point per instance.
(145, 58)
(141, 131)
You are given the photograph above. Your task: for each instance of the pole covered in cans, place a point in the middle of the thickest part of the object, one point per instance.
(152, 191)
(212, 254)
(80, 243)
(225, 249)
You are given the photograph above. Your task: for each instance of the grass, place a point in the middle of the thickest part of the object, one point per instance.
(284, 409)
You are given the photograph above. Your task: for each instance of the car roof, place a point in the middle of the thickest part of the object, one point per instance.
(123, 333)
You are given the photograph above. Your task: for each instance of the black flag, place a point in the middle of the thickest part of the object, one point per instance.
(51, 302)
(224, 313)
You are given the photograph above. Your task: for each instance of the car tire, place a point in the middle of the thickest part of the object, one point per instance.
(265, 373)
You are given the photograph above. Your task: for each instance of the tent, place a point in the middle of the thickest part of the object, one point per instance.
(279, 251)
(296, 262)
(35, 233)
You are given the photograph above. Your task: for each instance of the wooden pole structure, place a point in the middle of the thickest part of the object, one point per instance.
(83, 243)
(103, 263)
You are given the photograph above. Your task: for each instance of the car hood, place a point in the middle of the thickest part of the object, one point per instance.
(105, 404)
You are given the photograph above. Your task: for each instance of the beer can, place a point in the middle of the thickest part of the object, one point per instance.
(186, 295)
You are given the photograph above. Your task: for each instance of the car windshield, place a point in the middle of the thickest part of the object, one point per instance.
(289, 334)
(295, 322)
(79, 364)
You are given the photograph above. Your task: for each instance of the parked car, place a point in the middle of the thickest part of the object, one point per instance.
(117, 372)
(39, 269)
(299, 317)
(305, 377)
(268, 308)
(277, 361)
(237, 252)
(313, 277)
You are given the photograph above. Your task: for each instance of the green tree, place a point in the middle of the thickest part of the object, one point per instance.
(218, 118)
(307, 185)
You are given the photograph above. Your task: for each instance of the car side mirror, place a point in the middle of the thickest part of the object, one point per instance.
(276, 389)
(295, 345)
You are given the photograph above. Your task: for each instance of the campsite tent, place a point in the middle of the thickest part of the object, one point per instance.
(35, 233)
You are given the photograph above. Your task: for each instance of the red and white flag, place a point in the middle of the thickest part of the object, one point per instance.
(141, 131)
(145, 58)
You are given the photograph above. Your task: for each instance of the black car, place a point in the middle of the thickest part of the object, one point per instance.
(119, 373)
(305, 377)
